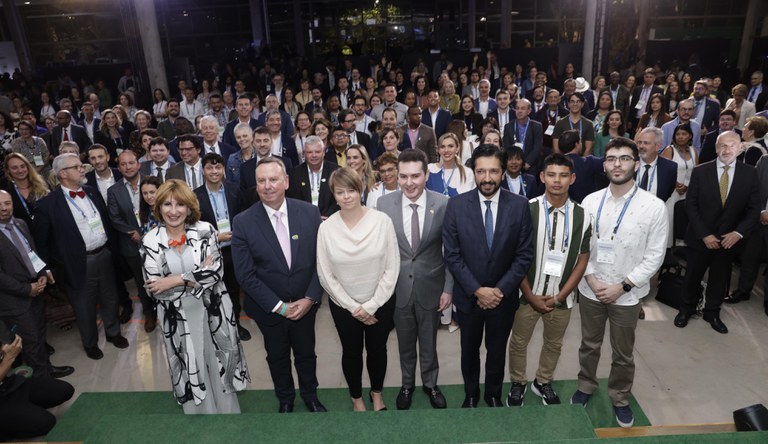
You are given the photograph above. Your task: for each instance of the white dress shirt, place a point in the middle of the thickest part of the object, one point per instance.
(83, 210)
(653, 175)
(639, 244)
(284, 218)
(277, 145)
(494, 206)
(104, 184)
(195, 170)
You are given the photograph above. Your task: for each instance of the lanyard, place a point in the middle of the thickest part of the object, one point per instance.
(23, 202)
(194, 108)
(682, 156)
(566, 231)
(571, 123)
(621, 215)
(520, 138)
(314, 184)
(445, 183)
(522, 185)
(216, 206)
(78, 206)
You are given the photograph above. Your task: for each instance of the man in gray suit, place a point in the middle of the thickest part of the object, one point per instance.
(425, 286)
(123, 200)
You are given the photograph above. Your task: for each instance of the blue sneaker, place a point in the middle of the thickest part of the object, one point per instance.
(624, 416)
(580, 398)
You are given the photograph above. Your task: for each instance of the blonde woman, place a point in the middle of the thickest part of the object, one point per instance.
(448, 176)
(25, 185)
(743, 108)
(359, 160)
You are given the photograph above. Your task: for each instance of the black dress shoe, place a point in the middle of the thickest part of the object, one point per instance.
(94, 352)
(285, 407)
(49, 349)
(404, 398)
(244, 334)
(150, 324)
(470, 402)
(118, 341)
(125, 314)
(60, 372)
(716, 323)
(736, 297)
(493, 401)
(316, 406)
(436, 397)
(681, 320)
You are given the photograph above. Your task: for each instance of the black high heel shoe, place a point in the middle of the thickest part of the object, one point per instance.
(370, 397)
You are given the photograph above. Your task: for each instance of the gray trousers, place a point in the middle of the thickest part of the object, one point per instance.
(99, 290)
(414, 324)
(622, 321)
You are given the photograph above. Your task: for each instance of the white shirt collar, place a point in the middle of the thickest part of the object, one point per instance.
(271, 212)
(421, 201)
(494, 198)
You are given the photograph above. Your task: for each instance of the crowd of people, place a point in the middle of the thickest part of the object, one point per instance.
(409, 205)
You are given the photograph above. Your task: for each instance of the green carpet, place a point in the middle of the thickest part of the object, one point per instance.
(714, 438)
(532, 422)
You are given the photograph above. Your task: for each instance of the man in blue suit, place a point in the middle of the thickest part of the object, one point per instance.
(488, 242)
(656, 174)
(274, 245)
(286, 123)
(435, 117)
(243, 107)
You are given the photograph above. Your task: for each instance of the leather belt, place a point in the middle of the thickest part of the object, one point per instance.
(95, 251)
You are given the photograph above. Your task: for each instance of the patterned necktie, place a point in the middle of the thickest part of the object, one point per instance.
(724, 184)
(282, 237)
(415, 232)
(488, 224)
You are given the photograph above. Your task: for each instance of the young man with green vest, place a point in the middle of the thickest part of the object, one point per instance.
(562, 232)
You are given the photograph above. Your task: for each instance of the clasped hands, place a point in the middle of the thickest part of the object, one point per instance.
(488, 298)
(297, 309)
(363, 316)
(727, 241)
(605, 293)
(38, 286)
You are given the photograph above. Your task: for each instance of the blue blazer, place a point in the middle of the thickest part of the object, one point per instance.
(229, 131)
(466, 250)
(666, 178)
(260, 266)
(286, 122)
(441, 123)
(91, 178)
(226, 150)
(491, 105)
(532, 189)
(58, 240)
(234, 203)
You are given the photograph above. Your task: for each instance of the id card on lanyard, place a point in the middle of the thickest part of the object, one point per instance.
(554, 258)
(606, 249)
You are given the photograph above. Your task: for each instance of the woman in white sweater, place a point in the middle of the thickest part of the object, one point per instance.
(358, 262)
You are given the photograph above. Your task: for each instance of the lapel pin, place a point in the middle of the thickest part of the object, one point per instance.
(303, 184)
(431, 211)
(295, 237)
(322, 180)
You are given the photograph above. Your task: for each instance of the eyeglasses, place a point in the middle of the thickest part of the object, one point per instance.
(350, 120)
(79, 167)
(387, 170)
(340, 136)
(622, 159)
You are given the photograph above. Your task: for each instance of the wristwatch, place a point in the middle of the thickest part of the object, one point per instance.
(627, 288)
(559, 304)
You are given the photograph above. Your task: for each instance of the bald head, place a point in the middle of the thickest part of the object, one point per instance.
(6, 207)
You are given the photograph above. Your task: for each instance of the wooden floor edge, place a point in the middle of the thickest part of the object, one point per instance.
(680, 429)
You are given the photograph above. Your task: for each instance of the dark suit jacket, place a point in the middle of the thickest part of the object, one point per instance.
(122, 217)
(59, 241)
(364, 140)
(96, 123)
(441, 122)
(708, 150)
(15, 280)
(77, 135)
(475, 122)
(229, 131)
(586, 170)
(636, 98)
(711, 115)
(707, 216)
(300, 187)
(111, 145)
(286, 122)
(532, 189)
(622, 99)
(234, 203)
(260, 266)
(225, 148)
(248, 179)
(425, 141)
(177, 171)
(666, 177)
(91, 177)
(532, 145)
(466, 252)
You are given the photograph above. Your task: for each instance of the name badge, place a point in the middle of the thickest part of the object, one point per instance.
(553, 263)
(640, 105)
(37, 263)
(519, 145)
(224, 226)
(550, 130)
(119, 151)
(38, 160)
(605, 251)
(96, 226)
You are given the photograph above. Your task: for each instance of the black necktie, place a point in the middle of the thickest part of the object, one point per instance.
(644, 180)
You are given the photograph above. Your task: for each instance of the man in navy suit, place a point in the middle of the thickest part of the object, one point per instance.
(488, 240)
(243, 107)
(705, 110)
(88, 122)
(274, 245)
(435, 117)
(309, 181)
(286, 123)
(587, 169)
(527, 134)
(656, 174)
(262, 146)
(72, 234)
(484, 104)
(220, 202)
(727, 122)
(209, 129)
